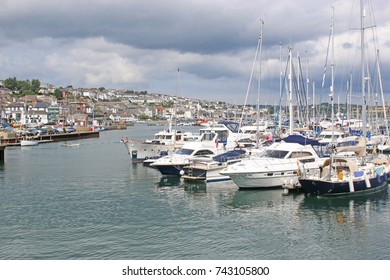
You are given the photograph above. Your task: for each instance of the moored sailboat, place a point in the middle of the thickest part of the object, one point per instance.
(354, 175)
(341, 174)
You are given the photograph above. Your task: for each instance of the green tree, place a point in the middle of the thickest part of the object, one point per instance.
(22, 85)
(35, 85)
(143, 117)
(58, 94)
(10, 83)
(168, 104)
(27, 91)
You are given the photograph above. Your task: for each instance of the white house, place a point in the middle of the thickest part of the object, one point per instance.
(32, 115)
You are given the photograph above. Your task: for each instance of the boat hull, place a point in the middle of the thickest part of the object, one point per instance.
(275, 168)
(143, 151)
(210, 175)
(173, 169)
(322, 187)
(29, 142)
(194, 174)
(264, 180)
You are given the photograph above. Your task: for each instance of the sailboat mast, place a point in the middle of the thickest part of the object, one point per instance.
(307, 90)
(250, 80)
(178, 88)
(364, 120)
(382, 96)
(349, 97)
(298, 88)
(290, 93)
(259, 83)
(331, 94)
(314, 105)
(280, 86)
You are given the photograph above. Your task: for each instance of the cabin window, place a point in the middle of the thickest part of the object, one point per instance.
(222, 136)
(203, 153)
(300, 154)
(184, 151)
(208, 137)
(274, 153)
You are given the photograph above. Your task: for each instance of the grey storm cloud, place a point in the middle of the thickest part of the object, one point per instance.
(139, 44)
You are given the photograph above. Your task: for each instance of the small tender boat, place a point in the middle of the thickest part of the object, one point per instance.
(68, 144)
(29, 142)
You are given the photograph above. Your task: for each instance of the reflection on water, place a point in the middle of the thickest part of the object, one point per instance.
(349, 227)
(306, 226)
(229, 196)
(195, 187)
(169, 182)
(341, 202)
(261, 198)
(94, 203)
(2, 166)
(353, 210)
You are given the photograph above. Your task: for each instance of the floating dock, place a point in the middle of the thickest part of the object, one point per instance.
(52, 138)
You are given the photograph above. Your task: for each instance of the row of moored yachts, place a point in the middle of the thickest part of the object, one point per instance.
(223, 152)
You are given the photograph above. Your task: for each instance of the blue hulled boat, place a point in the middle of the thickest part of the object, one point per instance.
(341, 176)
(208, 171)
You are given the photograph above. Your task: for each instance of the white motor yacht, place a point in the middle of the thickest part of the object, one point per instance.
(276, 166)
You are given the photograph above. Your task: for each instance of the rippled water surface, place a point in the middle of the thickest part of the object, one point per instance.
(91, 202)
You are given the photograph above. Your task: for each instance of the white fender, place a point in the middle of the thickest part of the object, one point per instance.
(368, 184)
(351, 186)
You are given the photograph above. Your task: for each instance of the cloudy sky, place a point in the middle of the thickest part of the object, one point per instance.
(139, 44)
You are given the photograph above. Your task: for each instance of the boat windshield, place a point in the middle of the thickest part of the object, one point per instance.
(208, 136)
(184, 152)
(203, 153)
(274, 153)
(163, 137)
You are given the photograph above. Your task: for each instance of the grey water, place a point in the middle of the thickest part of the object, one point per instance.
(92, 202)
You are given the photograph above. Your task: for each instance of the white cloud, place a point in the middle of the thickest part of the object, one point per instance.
(95, 62)
(140, 44)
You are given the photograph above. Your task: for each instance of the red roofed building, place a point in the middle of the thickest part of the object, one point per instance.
(159, 111)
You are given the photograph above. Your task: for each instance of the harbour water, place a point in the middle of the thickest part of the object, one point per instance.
(91, 202)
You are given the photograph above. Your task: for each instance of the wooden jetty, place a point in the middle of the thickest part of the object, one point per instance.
(53, 138)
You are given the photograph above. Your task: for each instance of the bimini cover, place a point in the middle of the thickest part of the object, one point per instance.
(301, 140)
(229, 155)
